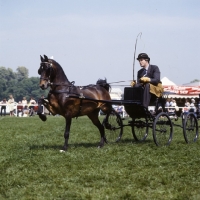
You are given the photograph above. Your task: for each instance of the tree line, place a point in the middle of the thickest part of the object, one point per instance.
(19, 84)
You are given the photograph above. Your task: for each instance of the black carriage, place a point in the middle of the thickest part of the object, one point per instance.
(71, 101)
(142, 120)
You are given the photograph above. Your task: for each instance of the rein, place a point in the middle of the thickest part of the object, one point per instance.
(119, 82)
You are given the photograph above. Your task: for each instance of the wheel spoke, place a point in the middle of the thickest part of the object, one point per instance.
(162, 130)
(190, 129)
(113, 127)
(140, 129)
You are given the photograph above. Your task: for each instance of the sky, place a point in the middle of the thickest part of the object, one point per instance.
(94, 39)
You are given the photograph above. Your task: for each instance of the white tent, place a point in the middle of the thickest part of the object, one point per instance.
(175, 91)
(116, 94)
(166, 81)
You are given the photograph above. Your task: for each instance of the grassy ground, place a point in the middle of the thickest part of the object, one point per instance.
(33, 168)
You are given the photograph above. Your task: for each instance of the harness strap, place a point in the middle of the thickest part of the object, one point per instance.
(67, 92)
(65, 84)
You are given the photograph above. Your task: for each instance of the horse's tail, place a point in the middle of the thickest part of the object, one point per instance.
(104, 84)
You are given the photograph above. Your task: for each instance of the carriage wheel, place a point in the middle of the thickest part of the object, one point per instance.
(162, 130)
(140, 129)
(190, 128)
(113, 126)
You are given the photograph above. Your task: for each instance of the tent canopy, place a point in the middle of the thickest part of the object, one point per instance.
(116, 93)
(172, 90)
(166, 81)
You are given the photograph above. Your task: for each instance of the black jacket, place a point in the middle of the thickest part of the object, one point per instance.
(153, 73)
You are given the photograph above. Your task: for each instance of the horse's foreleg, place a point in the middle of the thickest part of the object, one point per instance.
(40, 110)
(66, 134)
(95, 120)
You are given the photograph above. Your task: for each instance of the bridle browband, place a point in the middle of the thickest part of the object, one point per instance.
(49, 66)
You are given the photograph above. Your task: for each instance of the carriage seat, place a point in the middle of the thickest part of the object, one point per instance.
(134, 94)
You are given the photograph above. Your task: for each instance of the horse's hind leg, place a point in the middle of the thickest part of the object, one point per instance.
(95, 120)
(66, 134)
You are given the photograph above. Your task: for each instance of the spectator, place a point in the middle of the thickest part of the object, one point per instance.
(25, 111)
(187, 103)
(11, 104)
(174, 103)
(31, 106)
(3, 107)
(19, 109)
(198, 109)
(192, 106)
(167, 103)
(170, 102)
(24, 102)
(185, 110)
(120, 110)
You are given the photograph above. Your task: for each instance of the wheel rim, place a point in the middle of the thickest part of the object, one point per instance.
(113, 127)
(190, 128)
(162, 130)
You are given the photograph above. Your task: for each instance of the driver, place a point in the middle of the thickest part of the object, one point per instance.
(149, 78)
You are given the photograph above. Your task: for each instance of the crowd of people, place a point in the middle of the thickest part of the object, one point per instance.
(190, 106)
(23, 108)
(28, 108)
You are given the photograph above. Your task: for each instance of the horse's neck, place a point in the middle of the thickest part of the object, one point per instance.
(60, 82)
(60, 77)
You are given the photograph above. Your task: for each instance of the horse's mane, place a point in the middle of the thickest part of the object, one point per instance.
(101, 82)
(104, 84)
(57, 67)
(54, 62)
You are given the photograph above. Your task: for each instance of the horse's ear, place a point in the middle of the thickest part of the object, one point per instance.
(46, 58)
(41, 58)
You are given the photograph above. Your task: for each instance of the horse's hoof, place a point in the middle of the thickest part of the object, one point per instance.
(62, 151)
(42, 117)
(118, 139)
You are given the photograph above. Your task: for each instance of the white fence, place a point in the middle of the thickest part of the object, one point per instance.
(17, 107)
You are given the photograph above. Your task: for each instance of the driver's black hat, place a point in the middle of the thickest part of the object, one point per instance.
(143, 56)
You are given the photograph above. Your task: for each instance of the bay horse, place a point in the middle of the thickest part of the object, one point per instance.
(67, 100)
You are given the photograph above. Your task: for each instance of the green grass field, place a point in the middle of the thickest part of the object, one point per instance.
(33, 168)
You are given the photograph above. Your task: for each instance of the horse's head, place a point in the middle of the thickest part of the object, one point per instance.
(46, 72)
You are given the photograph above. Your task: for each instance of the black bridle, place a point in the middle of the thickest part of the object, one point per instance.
(48, 67)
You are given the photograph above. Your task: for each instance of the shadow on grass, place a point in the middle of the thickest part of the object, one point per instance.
(74, 145)
(147, 141)
(90, 145)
